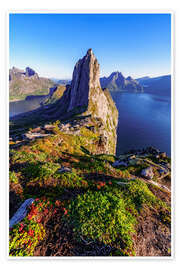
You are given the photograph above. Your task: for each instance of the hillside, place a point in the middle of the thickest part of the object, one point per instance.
(117, 82)
(23, 83)
(70, 195)
(158, 85)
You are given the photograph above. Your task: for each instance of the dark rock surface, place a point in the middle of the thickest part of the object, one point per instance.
(29, 72)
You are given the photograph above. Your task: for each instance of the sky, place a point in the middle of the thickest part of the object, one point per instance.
(135, 44)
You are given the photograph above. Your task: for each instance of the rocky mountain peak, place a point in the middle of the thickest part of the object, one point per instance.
(129, 78)
(29, 72)
(116, 81)
(86, 96)
(89, 52)
(85, 78)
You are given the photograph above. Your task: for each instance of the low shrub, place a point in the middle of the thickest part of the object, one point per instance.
(102, 216)
(13, 178)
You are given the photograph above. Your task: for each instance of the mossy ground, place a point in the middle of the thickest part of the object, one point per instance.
(86, 211)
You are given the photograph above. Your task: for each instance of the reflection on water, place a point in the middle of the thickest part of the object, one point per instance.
(144, 120)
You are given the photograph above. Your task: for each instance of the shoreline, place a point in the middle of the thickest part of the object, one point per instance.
(14, 100)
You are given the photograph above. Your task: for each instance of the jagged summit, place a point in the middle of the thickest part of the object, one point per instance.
(85, 79)
(116, 81)
(129, 78)
(89, 51)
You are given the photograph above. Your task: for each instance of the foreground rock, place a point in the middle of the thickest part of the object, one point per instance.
(21, 213)
(147, 173)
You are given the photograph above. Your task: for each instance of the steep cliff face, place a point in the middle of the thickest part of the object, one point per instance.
(86, 92)
(85, 79)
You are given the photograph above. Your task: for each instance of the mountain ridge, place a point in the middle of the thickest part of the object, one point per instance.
(25, 82)
(116, 82)
(160, 85)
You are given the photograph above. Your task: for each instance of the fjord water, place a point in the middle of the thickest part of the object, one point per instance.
(21, 106)
(144, 120)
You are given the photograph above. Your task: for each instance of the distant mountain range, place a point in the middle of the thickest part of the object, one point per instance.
(64, 82)
(61, 81)
(116, 82)
(27, 82)
(158, 85)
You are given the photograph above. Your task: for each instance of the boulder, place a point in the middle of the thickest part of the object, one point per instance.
(162, 155)
(64, 170)
(32, 136)
(147, 173)
(131, 157)
(163, 171)
(133, 162)
(49, 127)
(20, 213)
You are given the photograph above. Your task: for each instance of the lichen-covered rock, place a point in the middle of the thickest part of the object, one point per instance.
(147, 173)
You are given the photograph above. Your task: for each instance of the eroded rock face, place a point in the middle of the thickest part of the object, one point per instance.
(147, 173)
(85, 78)
(85, 91)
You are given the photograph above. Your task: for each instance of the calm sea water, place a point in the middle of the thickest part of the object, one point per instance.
(17, 107)
(144, 120)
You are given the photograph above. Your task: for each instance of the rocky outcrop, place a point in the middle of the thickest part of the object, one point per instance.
(86, 92)
(116, 81)
(85, 80)
(30, 72)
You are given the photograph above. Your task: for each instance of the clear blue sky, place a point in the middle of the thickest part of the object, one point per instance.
(135, 44)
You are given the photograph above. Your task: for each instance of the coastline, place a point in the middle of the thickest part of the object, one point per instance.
(14, 100)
